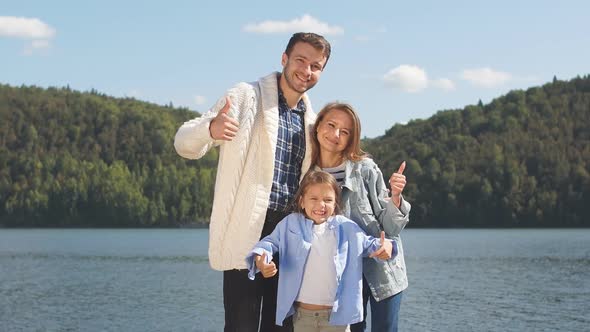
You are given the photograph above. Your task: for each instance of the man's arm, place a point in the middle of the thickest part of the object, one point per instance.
(195, 137)
(223, 126)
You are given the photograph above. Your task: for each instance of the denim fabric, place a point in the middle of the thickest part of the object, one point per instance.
(365, 200)
(384, 314)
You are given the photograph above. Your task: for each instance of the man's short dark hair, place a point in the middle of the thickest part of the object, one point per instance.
(317, 41)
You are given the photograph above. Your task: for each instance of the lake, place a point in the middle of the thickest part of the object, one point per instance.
(160, 280)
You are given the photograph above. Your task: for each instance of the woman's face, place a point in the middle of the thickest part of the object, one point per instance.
(334, 131)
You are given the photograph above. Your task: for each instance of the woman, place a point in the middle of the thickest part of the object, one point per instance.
(367, 201)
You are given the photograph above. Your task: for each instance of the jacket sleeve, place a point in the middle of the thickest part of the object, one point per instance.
(391, 219)
(269, 244)
(193, 140)
(370, 243)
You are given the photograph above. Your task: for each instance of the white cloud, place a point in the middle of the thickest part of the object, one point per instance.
(306, 23)
(25, 28)
(485, 77)
(407, 78)
(37, 32)
(443, 84)
(410, 78)
(200, 100)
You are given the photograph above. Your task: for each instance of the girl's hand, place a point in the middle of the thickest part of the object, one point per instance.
(267, 270)
(384, 252)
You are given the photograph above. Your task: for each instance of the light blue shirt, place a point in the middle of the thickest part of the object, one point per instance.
(292, 240)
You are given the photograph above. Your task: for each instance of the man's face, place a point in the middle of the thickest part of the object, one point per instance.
(302, 69)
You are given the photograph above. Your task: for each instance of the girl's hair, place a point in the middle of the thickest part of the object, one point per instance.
(316, 177)
(353, 151)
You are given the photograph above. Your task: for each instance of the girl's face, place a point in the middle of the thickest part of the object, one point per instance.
(318, 202)
(334, 131)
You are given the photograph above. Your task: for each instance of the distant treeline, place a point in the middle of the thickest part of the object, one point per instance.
(88, 160)
(522, 160)
(73, 159)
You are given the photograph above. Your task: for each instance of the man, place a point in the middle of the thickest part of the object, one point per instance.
(263, 132)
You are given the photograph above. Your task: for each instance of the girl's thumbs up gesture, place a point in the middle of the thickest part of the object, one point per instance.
(386, 249)
(267, 270)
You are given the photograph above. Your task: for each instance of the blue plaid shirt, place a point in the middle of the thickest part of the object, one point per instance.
(289, 154)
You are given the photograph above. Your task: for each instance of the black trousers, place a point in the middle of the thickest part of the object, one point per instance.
(252, 304)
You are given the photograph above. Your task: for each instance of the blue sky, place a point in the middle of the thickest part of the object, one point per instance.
(393, 61)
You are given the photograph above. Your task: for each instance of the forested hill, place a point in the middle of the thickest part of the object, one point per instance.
(89, 160)
(85, 159)
(522, 160)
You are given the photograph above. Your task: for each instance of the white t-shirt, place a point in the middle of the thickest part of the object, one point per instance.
(319, 277)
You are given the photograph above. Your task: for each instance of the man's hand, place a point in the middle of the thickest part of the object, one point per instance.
(397, 181)
(267, 270)
(223, 127)
(384, 252)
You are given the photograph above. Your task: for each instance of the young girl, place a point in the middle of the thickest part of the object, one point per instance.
(321, 259)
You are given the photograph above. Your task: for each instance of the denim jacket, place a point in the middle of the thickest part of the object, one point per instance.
(292, 240)
(365, 200)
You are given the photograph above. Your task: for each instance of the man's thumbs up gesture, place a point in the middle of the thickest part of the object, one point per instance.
(223, 127)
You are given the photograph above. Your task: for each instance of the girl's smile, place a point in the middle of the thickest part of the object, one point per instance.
(318, 202)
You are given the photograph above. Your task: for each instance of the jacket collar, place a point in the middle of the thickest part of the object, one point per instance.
(350, 182)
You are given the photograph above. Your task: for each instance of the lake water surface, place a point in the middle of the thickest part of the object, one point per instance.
(160, 280)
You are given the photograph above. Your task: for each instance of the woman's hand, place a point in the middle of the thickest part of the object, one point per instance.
(397, 182)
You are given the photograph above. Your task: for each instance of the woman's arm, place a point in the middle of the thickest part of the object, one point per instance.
(391, 218)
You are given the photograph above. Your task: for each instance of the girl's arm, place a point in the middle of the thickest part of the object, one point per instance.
(267, 246)
(387, 250)
(377, 248)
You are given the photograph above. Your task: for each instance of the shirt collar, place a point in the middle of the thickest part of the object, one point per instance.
(332, 222)
(283, 102)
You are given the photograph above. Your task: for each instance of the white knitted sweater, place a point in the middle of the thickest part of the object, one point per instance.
(245, 169)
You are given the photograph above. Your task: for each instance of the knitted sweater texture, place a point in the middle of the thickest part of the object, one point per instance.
(245, 168)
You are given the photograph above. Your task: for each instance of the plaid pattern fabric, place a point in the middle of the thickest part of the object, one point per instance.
(289, 154)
